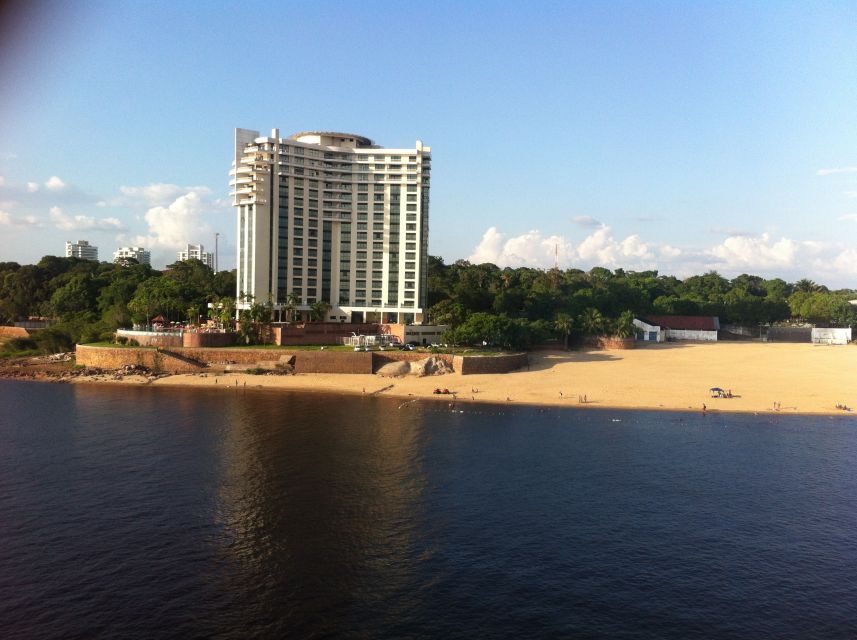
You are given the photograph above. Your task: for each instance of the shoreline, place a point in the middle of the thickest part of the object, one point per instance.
(804, 379)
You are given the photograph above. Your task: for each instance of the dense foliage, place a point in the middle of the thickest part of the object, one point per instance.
(516, 307)
(482, 303)
(90, 300)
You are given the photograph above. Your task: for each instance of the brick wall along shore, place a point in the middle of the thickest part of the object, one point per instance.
(186, 360)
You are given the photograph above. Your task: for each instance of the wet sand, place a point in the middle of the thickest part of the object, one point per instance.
(797, 378)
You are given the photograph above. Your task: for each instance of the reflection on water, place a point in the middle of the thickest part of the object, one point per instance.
(321, 495)
(149, 512)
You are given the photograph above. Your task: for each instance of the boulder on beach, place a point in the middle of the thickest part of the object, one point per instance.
(430, 366)
(395, 369)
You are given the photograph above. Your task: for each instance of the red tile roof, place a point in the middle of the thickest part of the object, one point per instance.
(693, 323)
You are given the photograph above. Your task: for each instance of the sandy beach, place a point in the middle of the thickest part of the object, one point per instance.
(790, 378)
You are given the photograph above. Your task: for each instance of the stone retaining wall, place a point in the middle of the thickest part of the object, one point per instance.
(14, 332)
(198, 340)
(363, 362)
(470, 365)
(152, 338)
(333, 362)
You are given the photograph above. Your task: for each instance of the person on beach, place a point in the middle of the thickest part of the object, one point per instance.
(704, 408)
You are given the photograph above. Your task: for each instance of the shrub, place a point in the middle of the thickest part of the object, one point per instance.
(54, 340)
(19, 347)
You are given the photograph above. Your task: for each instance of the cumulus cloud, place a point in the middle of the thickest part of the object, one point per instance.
(828, 172)
(174, 225)
(668, 252)
(2, 180)
(534, 249)
(55, 184)
(32, 187)
(758, 252)
(846, 262)
(160, 193)
(66, 222)
(761, 254)
(586, 221)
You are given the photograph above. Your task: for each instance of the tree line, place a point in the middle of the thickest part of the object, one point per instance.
(521, 306)
(89, 300)
(481, 302)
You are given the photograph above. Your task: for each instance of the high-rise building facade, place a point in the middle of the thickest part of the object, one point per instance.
(81, 249)
(197, 252)
(141, 255)
(332, 217)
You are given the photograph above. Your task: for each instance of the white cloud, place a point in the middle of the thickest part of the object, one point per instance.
(32, 187)
(668, 252)
(827, 172)
(851, 194)
(161, 193)
(536, 250)
(848, 216)
(846, 262)
(739, 252)
(2, 180)
(83, 223)
(759, 254)
(55, 184)
(173, 226)
(7, 220)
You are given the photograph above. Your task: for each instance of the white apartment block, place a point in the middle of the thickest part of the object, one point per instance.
(333, 217)
(81, 249)
(197, 252)
(139, 254)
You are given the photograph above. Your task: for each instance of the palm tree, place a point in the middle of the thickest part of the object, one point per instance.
(227, 311)
(625, 324)
(592, 321)
(290, 305)
(319, 310)
(806, 285)
(564, 323)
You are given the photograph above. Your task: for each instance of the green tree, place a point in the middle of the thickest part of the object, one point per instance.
(319, 310)
(625, 324)
(592, 322)
(564, 324)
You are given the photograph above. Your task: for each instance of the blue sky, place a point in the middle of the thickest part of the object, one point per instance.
(677, 136)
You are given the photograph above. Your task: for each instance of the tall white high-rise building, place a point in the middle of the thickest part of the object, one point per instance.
(197, 252)
(141, 255)
(332, 217)
(81, 249)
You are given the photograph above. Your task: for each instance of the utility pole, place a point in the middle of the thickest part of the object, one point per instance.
(216, 237)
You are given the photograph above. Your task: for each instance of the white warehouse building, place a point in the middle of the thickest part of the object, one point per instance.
(332, 217)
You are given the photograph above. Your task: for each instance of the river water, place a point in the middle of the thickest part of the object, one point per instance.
(171, 513)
